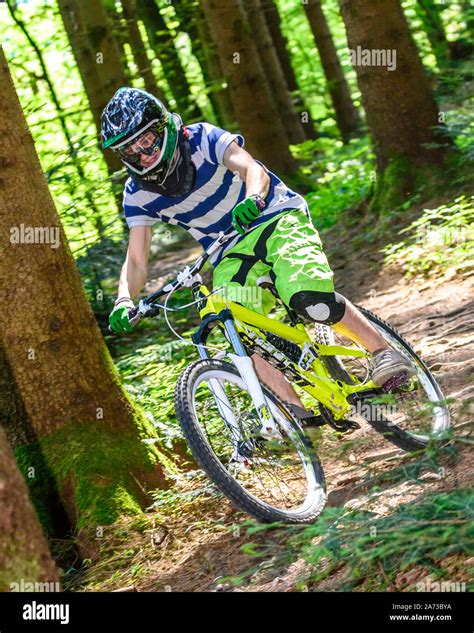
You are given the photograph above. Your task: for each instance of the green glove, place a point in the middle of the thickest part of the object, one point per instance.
(244, 213)
(118, 318)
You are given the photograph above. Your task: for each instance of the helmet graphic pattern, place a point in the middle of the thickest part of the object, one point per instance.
(128, 112)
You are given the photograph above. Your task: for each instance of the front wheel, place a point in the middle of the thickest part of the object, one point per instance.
(272, 480)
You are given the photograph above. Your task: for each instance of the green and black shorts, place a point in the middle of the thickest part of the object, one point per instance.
(286, 248)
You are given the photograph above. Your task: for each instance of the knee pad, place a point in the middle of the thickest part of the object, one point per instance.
(324, 307)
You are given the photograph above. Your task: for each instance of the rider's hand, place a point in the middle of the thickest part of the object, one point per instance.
(245, 212)
(118, 318)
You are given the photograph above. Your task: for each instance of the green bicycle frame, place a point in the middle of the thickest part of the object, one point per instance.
(331, 393)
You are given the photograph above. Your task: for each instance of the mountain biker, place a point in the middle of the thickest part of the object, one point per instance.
(200, 178)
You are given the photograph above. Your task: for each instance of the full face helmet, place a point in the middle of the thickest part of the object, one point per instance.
(137, 126)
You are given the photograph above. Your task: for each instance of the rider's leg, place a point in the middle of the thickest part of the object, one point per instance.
(304, 281)
(275, 380)
(355, 326)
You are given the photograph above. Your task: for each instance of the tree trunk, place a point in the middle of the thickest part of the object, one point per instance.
(24, 551)
(45, 76)
(194, 24)
(430, 17)
(164, 48)
(86, 430)
(139, 49)
(276, 78)
(119, 33)
(347, 117)
(97, 57)
(401, 112)
(220, 91)
(264, 133)
(279, 41)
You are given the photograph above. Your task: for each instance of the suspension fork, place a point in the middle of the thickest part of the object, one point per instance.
(246, 369)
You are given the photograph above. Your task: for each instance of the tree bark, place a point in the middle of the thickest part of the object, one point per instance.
(281, 46)
(139, 49)
(194, 24)
(401, 112)
(164, 48)
(87, 431)
(276, 78)
(265, 135)
(97, 56)
(347, 117)
(24, 551)
(119, 33)
(45, 76)
(220, 91)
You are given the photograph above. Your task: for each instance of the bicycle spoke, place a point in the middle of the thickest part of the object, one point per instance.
(272, 470)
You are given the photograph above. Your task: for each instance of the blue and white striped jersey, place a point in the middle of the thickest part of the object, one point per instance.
(207, 208)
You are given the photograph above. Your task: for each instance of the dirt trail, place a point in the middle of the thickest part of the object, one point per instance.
(436, 317)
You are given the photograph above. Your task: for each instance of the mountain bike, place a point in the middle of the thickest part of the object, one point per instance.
(245, 438)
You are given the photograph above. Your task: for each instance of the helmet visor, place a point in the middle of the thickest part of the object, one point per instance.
(144, 150)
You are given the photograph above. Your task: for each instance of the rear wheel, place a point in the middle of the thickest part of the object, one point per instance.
(276, 480)
(410, 416)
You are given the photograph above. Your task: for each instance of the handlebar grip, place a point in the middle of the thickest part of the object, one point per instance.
(132, 313)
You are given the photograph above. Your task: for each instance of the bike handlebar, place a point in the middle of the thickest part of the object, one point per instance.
(147, 308)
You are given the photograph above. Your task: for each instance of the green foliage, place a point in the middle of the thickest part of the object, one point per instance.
(369, 544)
(305, 59)
(342, 176)
(439, 239)
(430, 529)
(150, 378)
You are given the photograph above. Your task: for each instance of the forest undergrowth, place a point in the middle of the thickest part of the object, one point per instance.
(394, 521)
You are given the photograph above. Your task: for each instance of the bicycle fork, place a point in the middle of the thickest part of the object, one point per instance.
(246, 369)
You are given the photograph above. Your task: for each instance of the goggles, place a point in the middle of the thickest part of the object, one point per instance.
(144, 150)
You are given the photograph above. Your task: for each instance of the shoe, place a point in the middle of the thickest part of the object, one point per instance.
(389, 363)
(308, 418)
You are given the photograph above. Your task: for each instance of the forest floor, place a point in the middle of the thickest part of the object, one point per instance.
(196, 540)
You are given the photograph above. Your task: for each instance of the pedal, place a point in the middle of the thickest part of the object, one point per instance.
(307, 418)
(395, 382)
(314, 421)
(344, 426)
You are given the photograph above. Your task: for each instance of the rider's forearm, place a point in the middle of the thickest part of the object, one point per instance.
(132, 278)
(257, 180)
